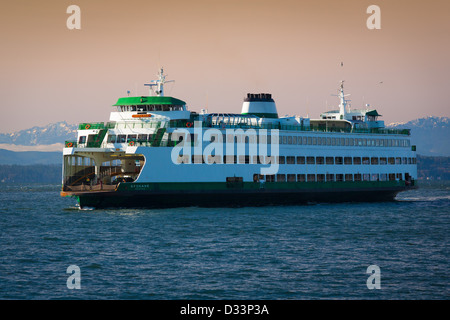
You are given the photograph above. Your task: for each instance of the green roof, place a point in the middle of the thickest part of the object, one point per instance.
(144, 100)
(373, 113)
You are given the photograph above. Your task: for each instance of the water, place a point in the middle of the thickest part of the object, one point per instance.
(298, 252)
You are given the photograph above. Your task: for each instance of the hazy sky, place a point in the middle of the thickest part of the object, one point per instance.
(217, 51)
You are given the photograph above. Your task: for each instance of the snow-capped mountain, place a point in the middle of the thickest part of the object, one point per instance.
(431, 135)
(50, 134)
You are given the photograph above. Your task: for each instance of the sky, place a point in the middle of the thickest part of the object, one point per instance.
(217, 51)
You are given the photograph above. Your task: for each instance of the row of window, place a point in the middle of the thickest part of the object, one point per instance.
(329, 141)
(329, 177)
(297, 160)
(314, 141)
(293, 140)
(151, 107)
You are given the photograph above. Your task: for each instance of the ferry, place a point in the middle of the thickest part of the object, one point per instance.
(154, 152)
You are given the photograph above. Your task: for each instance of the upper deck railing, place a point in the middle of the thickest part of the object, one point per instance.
(268, 126)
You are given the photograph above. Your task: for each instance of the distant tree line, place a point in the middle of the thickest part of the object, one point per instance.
(433, 168)
(429, 168)
(43, 173)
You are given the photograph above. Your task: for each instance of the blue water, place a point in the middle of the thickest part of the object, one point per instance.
(317, 251)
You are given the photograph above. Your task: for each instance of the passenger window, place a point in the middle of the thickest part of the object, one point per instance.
(112, 138)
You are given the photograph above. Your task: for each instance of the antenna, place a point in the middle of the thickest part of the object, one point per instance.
(343, 101)
(159, 84)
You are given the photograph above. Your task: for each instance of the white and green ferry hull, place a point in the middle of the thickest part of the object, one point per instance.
(220, 194)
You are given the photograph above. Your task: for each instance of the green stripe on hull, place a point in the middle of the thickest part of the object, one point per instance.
(219, 186)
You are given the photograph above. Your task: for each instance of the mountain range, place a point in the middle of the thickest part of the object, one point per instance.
(431, 135)
(50, 134)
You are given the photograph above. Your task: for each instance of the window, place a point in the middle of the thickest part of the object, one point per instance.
(270, 159)
(197, 159)
(144, 137)
(329, 160)
(242, 159)
(348, 177)
(374, 160)
(121, 138)
(300, 160)
(311, 177)
(398, 161)
(399, 176)
(270, 178)
(383, 160)
(375, 177)
(290, 160)
(310, 160)
(281, 178)
(320, 160)
(289, 140)
(291, 177)
(347, 160)
(82, 139)
(183, 159)
(230, 159)
(301, 178)
(330, 177)
(366, 177)
(356, 160)
(358, 177)
(281, 160)
(391, 176)
(320, 178)
(112, 138)
(391, 160)
(339, 177)
(258, 159)
(131, 137)
(257, 177)
(339, 160)
(214, 159)
(365, 160)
